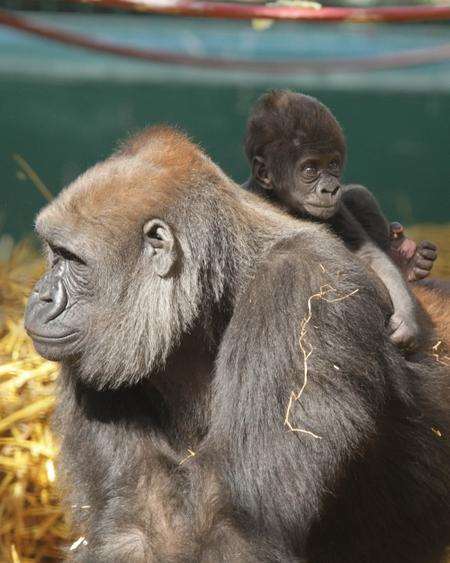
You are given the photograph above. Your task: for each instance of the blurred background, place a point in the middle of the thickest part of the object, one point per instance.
(63, 107)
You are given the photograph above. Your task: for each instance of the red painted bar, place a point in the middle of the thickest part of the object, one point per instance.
(250, 11)
(413, 57)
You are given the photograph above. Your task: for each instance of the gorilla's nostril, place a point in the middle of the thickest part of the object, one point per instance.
(59, 297)
(44, 288)
(330, 190)
(45, 296)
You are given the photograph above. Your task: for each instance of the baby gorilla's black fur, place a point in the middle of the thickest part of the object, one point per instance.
(297, 152)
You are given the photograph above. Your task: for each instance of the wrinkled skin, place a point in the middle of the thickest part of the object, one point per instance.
(312, 188)
(55, 311)
(59, 313)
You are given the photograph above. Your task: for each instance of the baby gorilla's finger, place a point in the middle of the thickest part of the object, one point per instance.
(403, 331)
(427, 244)
(403, 338)
(427, 253)
(396, 229)
(418, 274)
(423, 263)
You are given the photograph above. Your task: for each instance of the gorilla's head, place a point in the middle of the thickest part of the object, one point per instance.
(131, 245)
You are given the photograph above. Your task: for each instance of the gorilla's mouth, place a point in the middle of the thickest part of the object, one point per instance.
(321, 211)
(317, 206)
(50, 339)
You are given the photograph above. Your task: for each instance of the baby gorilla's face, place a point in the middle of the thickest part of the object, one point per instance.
(315, 187)
(308, 186)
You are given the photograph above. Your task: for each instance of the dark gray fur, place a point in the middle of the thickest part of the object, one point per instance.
(207, 360)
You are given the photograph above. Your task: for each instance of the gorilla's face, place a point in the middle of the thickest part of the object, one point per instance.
(310, 185)
(316, 189)
(133, 261)
(81, 299)
(56, 316)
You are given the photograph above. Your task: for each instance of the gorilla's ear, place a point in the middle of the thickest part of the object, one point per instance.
(261, 173)
(160, 245)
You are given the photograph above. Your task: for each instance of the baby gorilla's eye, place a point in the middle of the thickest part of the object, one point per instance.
(309, 170)
(335, 164)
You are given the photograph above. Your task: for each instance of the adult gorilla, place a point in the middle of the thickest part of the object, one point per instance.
(228, 390)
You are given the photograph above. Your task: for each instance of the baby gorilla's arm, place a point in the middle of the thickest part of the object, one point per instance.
(403, 325)
(364, 207)
(415, 261)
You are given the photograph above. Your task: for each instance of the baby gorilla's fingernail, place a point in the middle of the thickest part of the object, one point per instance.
(396, 227)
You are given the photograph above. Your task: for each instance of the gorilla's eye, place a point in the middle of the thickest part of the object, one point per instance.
(309, 170)
(65, 254)
(335, 164)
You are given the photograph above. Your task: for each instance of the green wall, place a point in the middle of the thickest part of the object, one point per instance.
(63, 123)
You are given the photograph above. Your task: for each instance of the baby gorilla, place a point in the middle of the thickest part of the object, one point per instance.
(297, 153)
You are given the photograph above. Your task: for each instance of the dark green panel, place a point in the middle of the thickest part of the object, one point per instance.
(63, 109)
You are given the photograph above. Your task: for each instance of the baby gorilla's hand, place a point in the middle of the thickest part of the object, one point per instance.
(421, 263)
(404, 330)
(415, 261)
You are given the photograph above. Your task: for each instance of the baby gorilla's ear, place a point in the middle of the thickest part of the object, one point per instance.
(160, 245)
(261, 174)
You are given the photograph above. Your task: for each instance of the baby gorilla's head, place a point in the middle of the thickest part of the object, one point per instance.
(297, 151)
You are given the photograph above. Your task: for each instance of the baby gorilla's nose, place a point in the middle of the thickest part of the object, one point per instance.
(331, 189)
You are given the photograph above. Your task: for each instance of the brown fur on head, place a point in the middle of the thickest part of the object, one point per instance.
(156, 175)
(283, 124)
(149, 172)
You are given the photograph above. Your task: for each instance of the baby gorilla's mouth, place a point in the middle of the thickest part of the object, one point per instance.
(317, 206)
(320, 210)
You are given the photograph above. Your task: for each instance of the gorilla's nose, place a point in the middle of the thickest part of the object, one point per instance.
(59, 299)
(50, 297)
(44, 290)
(330, 189)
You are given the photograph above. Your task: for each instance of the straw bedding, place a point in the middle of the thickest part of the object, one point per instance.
(32, 524)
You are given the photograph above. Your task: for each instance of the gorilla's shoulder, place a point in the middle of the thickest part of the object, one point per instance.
(312, 263)
(316, 249)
